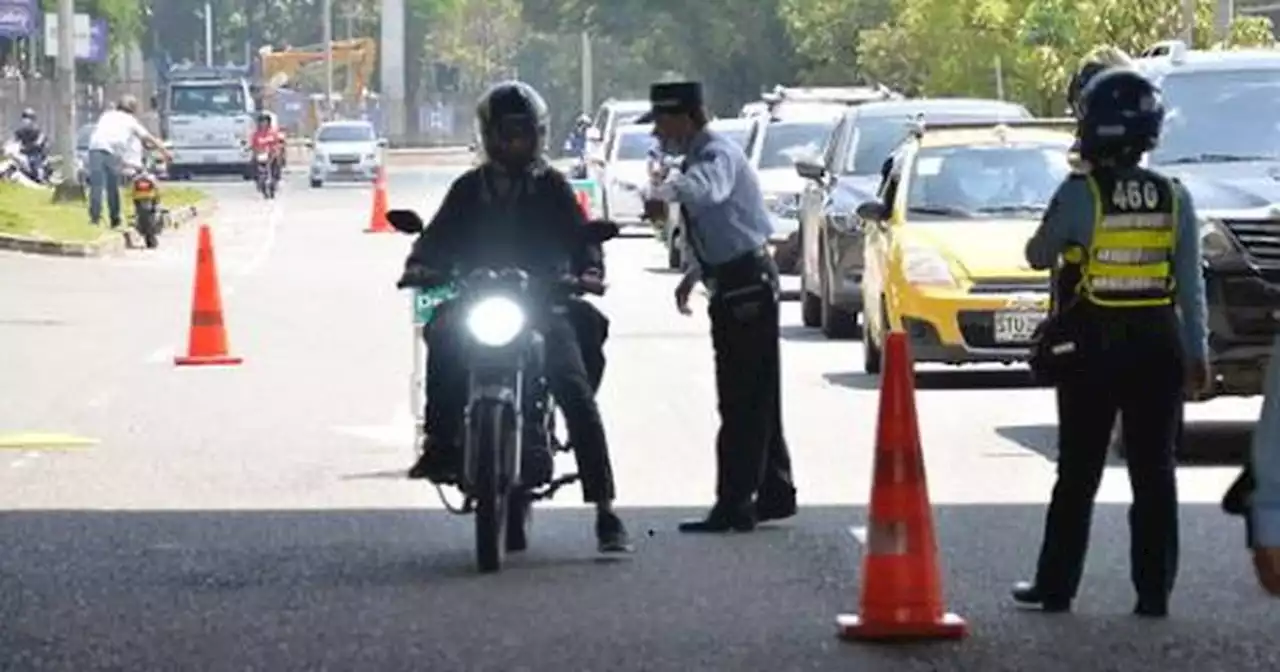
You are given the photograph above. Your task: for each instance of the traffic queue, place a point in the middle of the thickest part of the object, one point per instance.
(1111, 250)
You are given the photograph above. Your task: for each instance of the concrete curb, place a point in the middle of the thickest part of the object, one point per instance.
(110, 243)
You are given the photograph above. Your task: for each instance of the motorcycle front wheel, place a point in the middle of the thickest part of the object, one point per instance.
(492, 436)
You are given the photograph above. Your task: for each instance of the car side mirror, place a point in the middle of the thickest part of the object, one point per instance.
(872, 211)
(405, 221)
(594, 135)
(810, 170)
(382, 142)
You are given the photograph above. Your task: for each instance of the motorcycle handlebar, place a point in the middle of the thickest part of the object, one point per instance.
(419, 278)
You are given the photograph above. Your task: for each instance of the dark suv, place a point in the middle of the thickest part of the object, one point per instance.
(1222, 140)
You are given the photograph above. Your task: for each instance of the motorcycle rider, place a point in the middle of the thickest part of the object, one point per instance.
(265, 138)
(32, 144)
(514, 210)
(576, 145)
(1099, 59)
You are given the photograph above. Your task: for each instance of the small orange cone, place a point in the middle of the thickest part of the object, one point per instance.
(378, 218)
(901, 583)
(207, 343)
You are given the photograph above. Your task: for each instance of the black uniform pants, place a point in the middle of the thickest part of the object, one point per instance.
(1136, 371)
(568, 375)
(751, 452)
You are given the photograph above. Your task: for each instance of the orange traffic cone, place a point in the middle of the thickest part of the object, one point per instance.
(207, 343)
(901, 583)
(378, 218)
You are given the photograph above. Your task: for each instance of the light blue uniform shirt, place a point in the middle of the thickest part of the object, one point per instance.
(1266, 460)
(722, 195)
(1071, 220)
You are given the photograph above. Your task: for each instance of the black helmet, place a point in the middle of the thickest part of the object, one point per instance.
(29, 114)
(512, 111)
(264, 117)
(1121, 114)
(1096, 61)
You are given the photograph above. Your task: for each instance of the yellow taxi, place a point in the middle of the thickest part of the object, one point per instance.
(945, 240)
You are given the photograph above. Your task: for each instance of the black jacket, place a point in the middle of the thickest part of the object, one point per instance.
(541, 230)
(30, 138)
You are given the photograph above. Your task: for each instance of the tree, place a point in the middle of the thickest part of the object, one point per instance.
(826, 34)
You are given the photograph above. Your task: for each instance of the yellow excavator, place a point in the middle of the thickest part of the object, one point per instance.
(303, 68)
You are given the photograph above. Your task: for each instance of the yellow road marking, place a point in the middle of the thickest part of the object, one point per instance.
(44, 441)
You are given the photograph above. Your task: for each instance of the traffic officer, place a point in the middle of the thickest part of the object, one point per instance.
(727, 229)
(1136, 317)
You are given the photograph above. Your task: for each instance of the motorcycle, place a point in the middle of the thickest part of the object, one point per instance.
(16, 162)
(148, 215)
(508, 462)
(268, 181)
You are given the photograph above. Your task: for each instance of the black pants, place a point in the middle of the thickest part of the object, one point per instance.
(751, 452)
(568, 375)
(1135, 370)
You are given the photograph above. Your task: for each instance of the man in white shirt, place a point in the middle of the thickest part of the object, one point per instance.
(112, 143)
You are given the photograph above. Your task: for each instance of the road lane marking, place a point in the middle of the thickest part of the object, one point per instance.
(44, 441)
(26, 459)
(859, 534)
(264, 252)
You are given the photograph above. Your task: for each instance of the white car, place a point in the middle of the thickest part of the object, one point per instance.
(626, 172)
(775, 147)
(348, 151)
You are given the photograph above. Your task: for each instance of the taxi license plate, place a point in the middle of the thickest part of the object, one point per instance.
(346, 168)
(1016, 326)
(209, 159)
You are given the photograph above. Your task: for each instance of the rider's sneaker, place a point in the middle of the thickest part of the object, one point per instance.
(611, 534)
(435, 464)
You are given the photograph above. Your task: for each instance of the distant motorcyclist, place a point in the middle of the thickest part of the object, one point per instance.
(266, 138)
(32, 143)
(576, 146)
(514, 210)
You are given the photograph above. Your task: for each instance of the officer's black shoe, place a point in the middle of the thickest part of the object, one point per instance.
(775, 507)
(1027, 594)
(436, 464)
(722, 518)
(611, 534)
(1152, 607)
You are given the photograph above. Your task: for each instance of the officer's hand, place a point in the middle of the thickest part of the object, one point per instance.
(592, 281)
(1196, 382)
(1266, 563)
(683, 290)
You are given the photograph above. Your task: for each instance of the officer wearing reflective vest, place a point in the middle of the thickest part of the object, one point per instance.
(1128, 335)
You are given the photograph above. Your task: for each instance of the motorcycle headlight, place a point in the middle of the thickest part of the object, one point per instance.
(925, 266)
(1214, 241)
(495, 321)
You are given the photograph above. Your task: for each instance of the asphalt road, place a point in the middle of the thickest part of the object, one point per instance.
(254, 518)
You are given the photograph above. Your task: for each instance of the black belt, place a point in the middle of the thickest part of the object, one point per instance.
(750, 268)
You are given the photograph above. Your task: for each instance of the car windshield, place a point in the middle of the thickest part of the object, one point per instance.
(634, 146)
(877, 137)
(221, 100)
(785, 142)
(625, 118)
(345, 133)
(987, 181)
(1196, 104)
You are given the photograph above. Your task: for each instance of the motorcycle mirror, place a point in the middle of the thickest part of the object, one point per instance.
(601, 230)
(405, 221)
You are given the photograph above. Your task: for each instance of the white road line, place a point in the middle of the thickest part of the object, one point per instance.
(859, 534)
(27, 458)
(264, 252)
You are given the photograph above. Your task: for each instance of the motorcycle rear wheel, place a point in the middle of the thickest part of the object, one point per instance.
(147, 227)
(492, 434)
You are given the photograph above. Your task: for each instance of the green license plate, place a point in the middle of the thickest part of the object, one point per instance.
(425, 302)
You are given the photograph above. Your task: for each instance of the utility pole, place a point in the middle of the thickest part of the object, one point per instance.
(65, 127)
(391, 51)
(1224, 11)
(588, 96)
(208, 35)
(1189, 22)
(328, 58)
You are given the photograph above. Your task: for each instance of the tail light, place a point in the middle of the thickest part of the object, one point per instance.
(143, 185)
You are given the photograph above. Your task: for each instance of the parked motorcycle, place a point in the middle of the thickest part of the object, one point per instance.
(15, 162)
(507, 464)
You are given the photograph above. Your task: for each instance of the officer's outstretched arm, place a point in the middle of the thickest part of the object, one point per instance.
(1066, 222)
(708, 181)
(1189, 276)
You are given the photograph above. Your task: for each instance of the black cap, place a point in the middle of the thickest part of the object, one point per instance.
(673, 97)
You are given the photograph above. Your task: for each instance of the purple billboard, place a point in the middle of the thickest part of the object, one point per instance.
(17, 18)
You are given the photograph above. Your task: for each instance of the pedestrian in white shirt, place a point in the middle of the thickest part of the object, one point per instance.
(112, 142)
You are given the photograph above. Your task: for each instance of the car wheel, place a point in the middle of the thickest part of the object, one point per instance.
(837, 324)
(315, 184)
(872, 355)
(810, 310)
